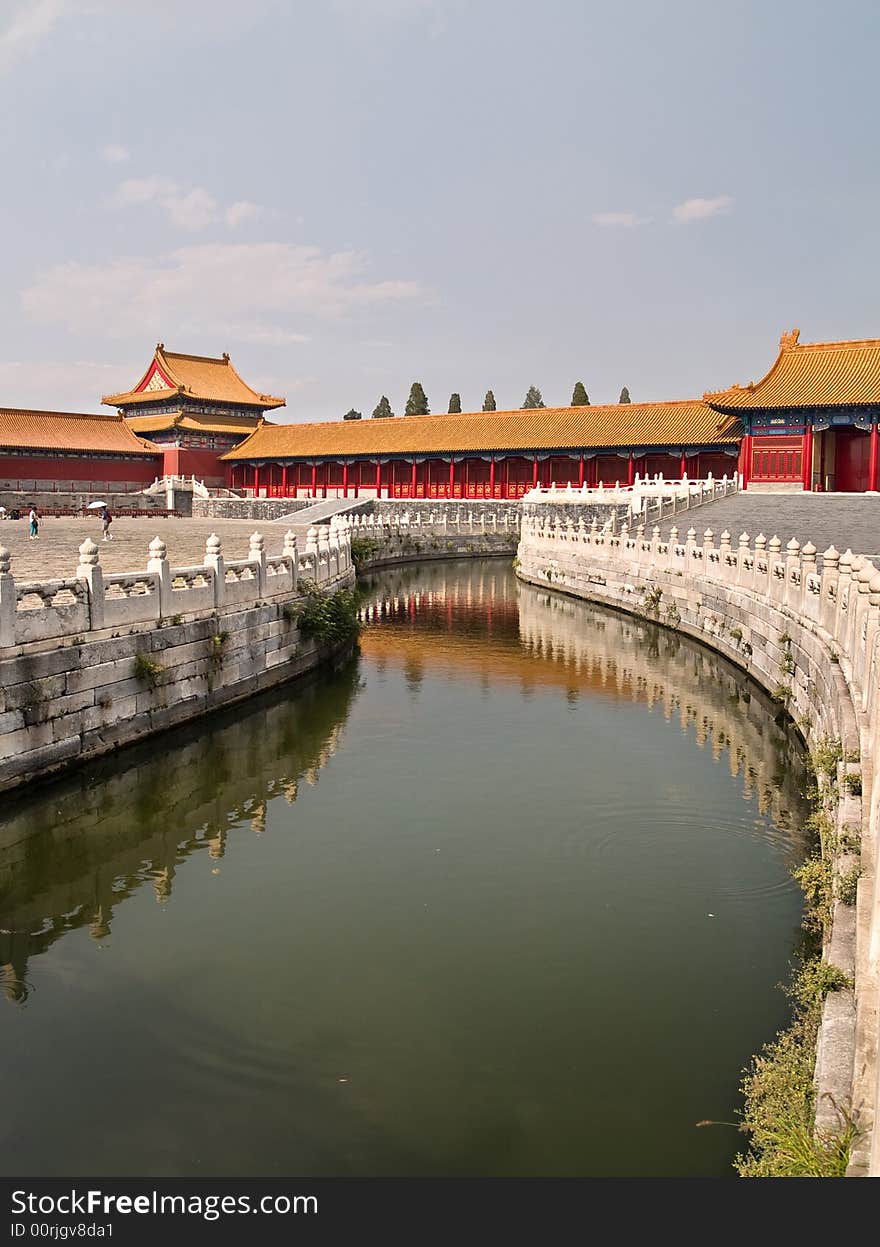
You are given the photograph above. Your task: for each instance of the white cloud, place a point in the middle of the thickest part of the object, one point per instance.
(56, 386)
(619, 220)
(31, 22)
(193, 208)
(239, 212)
(194, 289)
(700, 209)
(114, 153)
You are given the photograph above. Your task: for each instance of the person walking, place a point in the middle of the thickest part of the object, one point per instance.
(106, 521)
(34, 524)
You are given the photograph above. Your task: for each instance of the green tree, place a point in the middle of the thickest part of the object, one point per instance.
(417, 403)
(580, 397)
(533, 398)
(489, 403)
(454, 404)
(353, 415)
(624, 396)
(382, 410)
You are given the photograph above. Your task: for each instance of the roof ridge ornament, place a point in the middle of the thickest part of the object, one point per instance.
(789, 340)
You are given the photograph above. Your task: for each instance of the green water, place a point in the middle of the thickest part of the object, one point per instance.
(508, 893)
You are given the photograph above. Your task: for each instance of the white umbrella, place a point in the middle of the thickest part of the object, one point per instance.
(93, 506)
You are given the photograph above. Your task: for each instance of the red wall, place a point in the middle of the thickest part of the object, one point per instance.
(80, 468)
(204, 465)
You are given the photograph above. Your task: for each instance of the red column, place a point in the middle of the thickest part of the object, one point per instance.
(256, 481)
(534, 472)
(325, 475)
(492, 477)
(745, 460)
(630, 470)
(683, 465)
(345, 480)
(378, 480)
(581, 477)
(414, 474)
(872, 462)
(314, 480)
(284, 480)
(451, 477)
(807, 464)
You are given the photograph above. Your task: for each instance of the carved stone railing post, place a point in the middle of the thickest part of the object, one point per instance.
(92, 574)
(775, 570)
(8, 600)
(793, 577)
(158, 565)
(311, 552)
(869, 690)
(811, 600)
(324, 552)
(214, 560)
(743, 554)
(333, 544)
(830, 577)
(257, 554)
(290, 552)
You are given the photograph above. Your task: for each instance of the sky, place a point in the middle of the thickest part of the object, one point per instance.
(350, 195)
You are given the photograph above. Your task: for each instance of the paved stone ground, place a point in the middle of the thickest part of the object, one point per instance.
(844, 520)
(56, 554)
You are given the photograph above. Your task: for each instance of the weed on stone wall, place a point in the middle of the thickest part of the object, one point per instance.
(329, 619)
(779, 1114)
(780, 1100)
(147, 670)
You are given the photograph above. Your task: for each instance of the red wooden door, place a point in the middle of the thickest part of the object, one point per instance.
(852, 449)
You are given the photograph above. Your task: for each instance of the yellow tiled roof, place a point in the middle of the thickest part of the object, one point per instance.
(810, 374)
(549, 428)
(70, 430)
(146, 423)
(198, 376)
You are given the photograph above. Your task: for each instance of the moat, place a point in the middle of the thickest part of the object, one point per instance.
(507, 893)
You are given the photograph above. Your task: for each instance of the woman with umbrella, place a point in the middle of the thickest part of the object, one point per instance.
(106, 518)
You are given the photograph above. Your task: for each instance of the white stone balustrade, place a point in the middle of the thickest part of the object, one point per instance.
(94, 600)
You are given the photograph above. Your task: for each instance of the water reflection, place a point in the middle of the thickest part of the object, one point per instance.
(427, 620)
(71, 853)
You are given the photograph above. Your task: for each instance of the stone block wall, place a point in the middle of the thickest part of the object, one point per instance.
(91, 663)
(248, 508)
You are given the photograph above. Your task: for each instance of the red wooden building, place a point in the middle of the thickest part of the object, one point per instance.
(66, 450)
(811, 422)
(499, 454)
(196, 408)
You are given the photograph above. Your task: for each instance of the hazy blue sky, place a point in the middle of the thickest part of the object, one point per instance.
(350, 194)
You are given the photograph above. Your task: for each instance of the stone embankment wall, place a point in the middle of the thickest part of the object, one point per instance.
(810, 634)
(248, 508)
(93, 662)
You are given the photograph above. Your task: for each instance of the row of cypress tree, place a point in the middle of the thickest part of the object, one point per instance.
(417, 403)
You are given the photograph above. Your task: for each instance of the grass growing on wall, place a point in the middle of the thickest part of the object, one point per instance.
(331, 619)
(779, 1114)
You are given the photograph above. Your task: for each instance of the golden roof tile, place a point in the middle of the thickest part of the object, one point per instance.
(810, 374)
(196, 376)
(21, 429)
(687, 422)
(162, 420)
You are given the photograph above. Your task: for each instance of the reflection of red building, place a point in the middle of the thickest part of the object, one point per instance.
(196, 408)
(499, 454)
(811, 423)
(68, 451)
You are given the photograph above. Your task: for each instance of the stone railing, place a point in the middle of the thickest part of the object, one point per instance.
(648, 497)
(807, 627)
(443, 521)
(93, 599)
